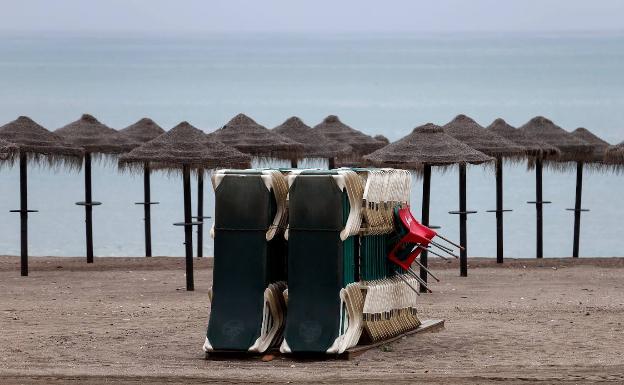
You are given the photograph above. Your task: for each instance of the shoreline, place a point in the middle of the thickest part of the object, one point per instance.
(43, 263)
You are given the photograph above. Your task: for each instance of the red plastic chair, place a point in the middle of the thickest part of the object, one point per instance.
(414, 238)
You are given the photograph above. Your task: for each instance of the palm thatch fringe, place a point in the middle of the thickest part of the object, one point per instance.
(143, 131)
(572, 148)
(534, 147)
(335, 130)
(315, 144)
(42, 146)
(488, 142)
(95, 137)
(184, 145)
(249, 137)
(426, 145)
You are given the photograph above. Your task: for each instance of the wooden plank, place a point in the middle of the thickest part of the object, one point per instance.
(430, 326)
(427, 326)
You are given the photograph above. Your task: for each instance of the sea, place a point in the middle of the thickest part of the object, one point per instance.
(377, 83)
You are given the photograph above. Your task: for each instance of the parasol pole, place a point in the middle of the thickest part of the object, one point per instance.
(188, 234)
(578, 210)
(200, 213)
(24, 213)
(463, 219)
(88, 205)
(147, 209)
(426, 199)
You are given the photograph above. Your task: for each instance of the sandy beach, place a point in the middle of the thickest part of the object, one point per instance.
(129, 320)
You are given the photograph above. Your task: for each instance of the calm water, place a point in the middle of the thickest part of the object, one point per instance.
(385, 85)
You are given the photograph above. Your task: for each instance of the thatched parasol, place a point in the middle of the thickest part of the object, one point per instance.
(476, 136)
(598, 145)
(614, 155)
(533, 147)
(185, 148)
(381, 138)
(35, 143)
(99, 139)
(470, 132)
(332, 128)
(143, 131)
(7, 151)
(39, 144)
(95, 137)
(596, 160)
(572, 149)
(249, 137)
(427, 146)
(315, 145)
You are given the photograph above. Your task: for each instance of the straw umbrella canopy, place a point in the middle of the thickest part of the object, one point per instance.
(598, 145)
(571, 148)
(614, 155)
(470, 132)
(7, 150)
(315, 145)
(34, 143)
(535, 148)
(95, 137)
(465, 129)
(362, 144)
(428, 146)
(382, 139)
(39, 144)
(99, 139)
(532, 146)
(185, 148)
(595, 160)
(249, 137)
(143, 131)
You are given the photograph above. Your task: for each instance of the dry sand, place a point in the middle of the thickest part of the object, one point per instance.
(129, 320)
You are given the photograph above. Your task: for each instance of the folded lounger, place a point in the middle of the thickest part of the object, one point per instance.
(247, 305)
(340, 282)
(324, 215)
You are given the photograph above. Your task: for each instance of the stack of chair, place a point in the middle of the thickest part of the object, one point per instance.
(324, 217)
(340, 280)
(329, 234)
(247, 305)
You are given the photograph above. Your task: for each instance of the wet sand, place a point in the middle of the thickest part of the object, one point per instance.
(129, 320)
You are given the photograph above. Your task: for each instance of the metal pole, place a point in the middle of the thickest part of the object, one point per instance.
(147, 209)
(426, 199)
(24, 213)
(539, 252)
(188, 235)
(200, 213)
(463, 216)
(499, 210)
(577, 209)
(88, 208)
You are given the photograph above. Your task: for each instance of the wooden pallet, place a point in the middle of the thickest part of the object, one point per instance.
(430, 325)
(427, 326)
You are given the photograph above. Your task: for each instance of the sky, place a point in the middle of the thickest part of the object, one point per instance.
(315, 16)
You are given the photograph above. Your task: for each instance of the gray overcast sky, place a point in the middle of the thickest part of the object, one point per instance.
(310, 15)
